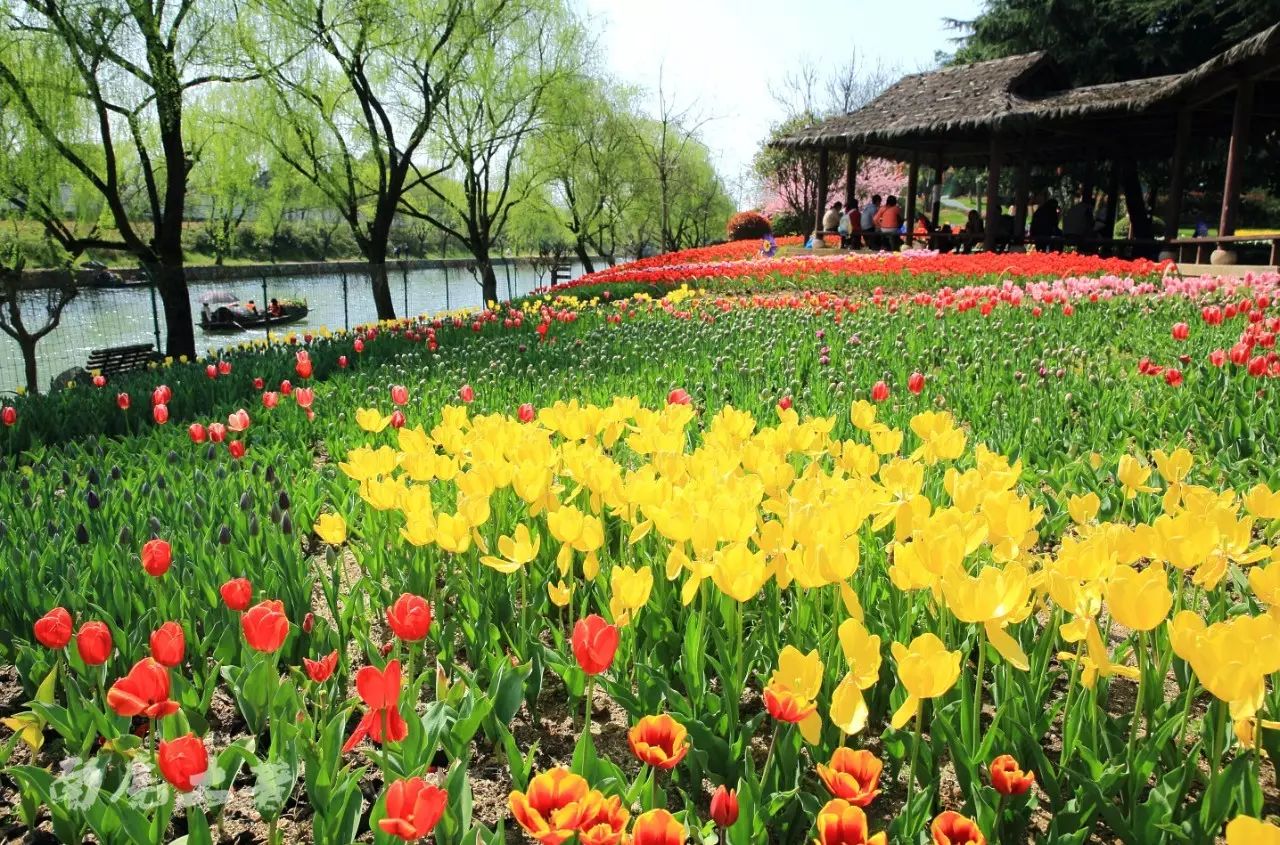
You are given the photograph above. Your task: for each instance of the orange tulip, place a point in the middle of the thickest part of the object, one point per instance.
(951, 828)
(143, 692)
(1008, 778)
(657, 827)
(785, 706)
(852, 775)
(842, 823)
(604, 820)
(156, 557)
(551, 810)
(265, 626)
(414, 807)
(380, 692)
(659, 741)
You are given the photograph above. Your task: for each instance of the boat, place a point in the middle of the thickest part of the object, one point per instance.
(107, 279)
(236, 316)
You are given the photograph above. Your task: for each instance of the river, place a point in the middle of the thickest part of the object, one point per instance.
(100, 318)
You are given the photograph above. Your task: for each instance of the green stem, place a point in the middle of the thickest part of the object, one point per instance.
(653, 790)
(977, 686)
(768, 757)
(911, 769)
(1137, 713)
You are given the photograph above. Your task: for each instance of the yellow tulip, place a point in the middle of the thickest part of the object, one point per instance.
(1084, 508)
(1139, 600)
(940, 439)
(453, 533)
(862, 414)
(331, 528)
(516, 551)
(862, 652)
(560, 593)
(1133, 477)
(1244, 830)
(1265, 583)
(927, 670)
(630, 589)
(371, 420)
(1262, 502)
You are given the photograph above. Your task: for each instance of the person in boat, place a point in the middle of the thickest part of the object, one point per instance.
(205, 313)
(251, 307)
(274, 309)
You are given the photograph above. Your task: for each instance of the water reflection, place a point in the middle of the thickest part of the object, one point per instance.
(115, 317)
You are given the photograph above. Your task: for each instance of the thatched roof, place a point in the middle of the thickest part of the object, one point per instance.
(1018, 93)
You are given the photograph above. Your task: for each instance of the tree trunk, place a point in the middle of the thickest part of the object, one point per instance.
(580, 247)
(1139, 216)
(382, 300)
(28, 348)
(170, 279)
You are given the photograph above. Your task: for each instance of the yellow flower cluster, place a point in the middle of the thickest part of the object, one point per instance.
(743, 506)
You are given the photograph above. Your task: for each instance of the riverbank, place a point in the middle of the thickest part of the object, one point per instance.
(203, 274)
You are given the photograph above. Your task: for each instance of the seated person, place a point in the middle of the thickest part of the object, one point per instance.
(275, 309)
(888, 222)
(1077, 223)
(973, 231)
(831, 220)
(1044, 225)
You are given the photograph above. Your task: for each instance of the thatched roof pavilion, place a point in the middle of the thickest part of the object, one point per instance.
(1021, 110)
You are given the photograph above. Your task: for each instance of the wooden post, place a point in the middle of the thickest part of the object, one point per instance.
(1113, 200)
(913, 185)
(1235, 157)
(993, 193)
(823, 180)
(851, 180)
(1021, 199)
(936, 193)
(1177, 172)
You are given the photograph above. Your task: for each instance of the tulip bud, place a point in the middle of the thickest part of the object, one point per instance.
(82, 534)
(224, 536)
(91, 499)
(308, 623)
(724, 807)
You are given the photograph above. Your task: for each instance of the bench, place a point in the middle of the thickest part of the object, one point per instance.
(561, 273)
(1201, 244)
(116, 360)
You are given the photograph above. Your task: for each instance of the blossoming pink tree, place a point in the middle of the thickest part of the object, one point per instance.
(794, 189)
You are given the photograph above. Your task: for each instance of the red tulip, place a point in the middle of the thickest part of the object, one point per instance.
(784, 404)
(358, 345)
(304, 396)
(237, 449)
(53, 630)
(217, 432)
(308, 622)
(143, 692)
(320, 670)
(9, 415)
(265, 626)
(380, 692)
(93, 643)
(270, 399)
(1181, 331)
(161, 395)
(1239, 354)
(183, 761)
(526, 413)
(157, 556)
(286, 388)
(303, 367)
(99, 381)
(197, 433)
(238, 421)
(466, 393)
(915, 383)
(237, 593)
(224, 368)
(679, 396)
(399, 394)
(1257, 366)
(414, 807)
(1218, 357)
(1008, 778)
(122, 401)
(160, 413)
(211, 371)
(409, 617)
(259, 383)
(168, 644)
(594, 643)
(397, 418)
(1173, 377)
(342, 361)
(724, 807)
(879, 392)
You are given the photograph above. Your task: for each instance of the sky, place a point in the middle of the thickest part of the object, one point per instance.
(719, 56)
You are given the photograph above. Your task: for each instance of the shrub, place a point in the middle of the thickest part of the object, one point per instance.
(785, 223)
(747, 225)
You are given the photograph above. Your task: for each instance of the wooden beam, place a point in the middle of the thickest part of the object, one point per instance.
(994, 160)
(936, 193)
(1113, 199)
(851, 179)
(1139, 216)
(1235, 157)
(913, 185)
(1177, 171)
(823, 181)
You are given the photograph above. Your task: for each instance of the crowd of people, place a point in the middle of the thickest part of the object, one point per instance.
(880, 224)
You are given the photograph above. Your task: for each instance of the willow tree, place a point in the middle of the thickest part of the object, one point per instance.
(353, 89)
(499, 104)
(126, 66)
